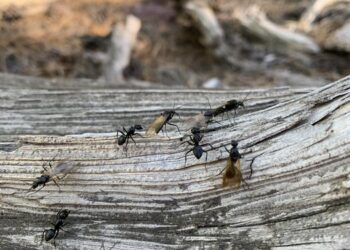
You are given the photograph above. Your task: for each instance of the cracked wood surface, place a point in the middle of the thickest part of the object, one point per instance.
(298, 196)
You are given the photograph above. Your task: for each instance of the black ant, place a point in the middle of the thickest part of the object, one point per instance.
(126, 134)
(42, 180)
(56, 173)
(161, 121)
(197, 149)
(228, 106)
(202, 120)
(49, 234)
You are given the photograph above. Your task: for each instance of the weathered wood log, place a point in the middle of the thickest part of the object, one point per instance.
(255, 22)
(297, 198)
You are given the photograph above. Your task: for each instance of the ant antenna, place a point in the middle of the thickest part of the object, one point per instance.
(208, 102)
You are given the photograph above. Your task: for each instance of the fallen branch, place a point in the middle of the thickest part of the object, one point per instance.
(307, 19)
(122, 42)
(328, 21)
(255, 22)
(212, 33)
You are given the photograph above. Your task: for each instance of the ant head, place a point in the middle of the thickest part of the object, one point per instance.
(121, 139)
(195, 130)
(63, 214)
(240, 103)
(169, 113)
(234, 143)
(138, 127)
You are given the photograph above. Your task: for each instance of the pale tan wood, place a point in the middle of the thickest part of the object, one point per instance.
(26, 7)
(298, 196)
(119, 54)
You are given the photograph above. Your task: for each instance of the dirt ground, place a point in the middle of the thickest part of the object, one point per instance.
(67, 39)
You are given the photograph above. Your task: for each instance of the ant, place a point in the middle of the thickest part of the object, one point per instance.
(228, 106)
(197, 149)
(126, 134)
(202, 120)
(161, 121)
(49, 234)
(233, 175)
(56, 173)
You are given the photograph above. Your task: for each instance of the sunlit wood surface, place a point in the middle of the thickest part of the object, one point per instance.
(297, 198)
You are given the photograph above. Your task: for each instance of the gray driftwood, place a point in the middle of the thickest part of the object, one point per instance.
(298, 196)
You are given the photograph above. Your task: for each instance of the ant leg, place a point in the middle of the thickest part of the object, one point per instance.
(57, 185)
(139, 135)
(113, 245)
(234, 117)
(206, 160)
(166, 132)
(228, 117)
(217, 122)
(208, 144)
(64, 224)
(119, 131)
(42, 236)
(178, 115)
(64, 230)
(54, 237)
(251, 168)
(175, 126)
(190, 143)
(251, 165)
(221, 171)
(44, 169)
(103, 245)
(126, 146)
(58, 213)
(125, 130)
(133, 139)
(245, 182)
(208, 102)
(228, 151)
(39, 189)
(186, 155)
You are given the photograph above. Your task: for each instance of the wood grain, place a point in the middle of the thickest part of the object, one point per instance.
(298, 196)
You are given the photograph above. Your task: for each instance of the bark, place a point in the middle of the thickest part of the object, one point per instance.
(297, 198)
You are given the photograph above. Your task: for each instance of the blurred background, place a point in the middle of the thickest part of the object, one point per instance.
(188, 44)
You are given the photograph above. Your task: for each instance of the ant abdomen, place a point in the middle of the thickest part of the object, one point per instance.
(50, 234)
(121, 140)
(198, 152)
